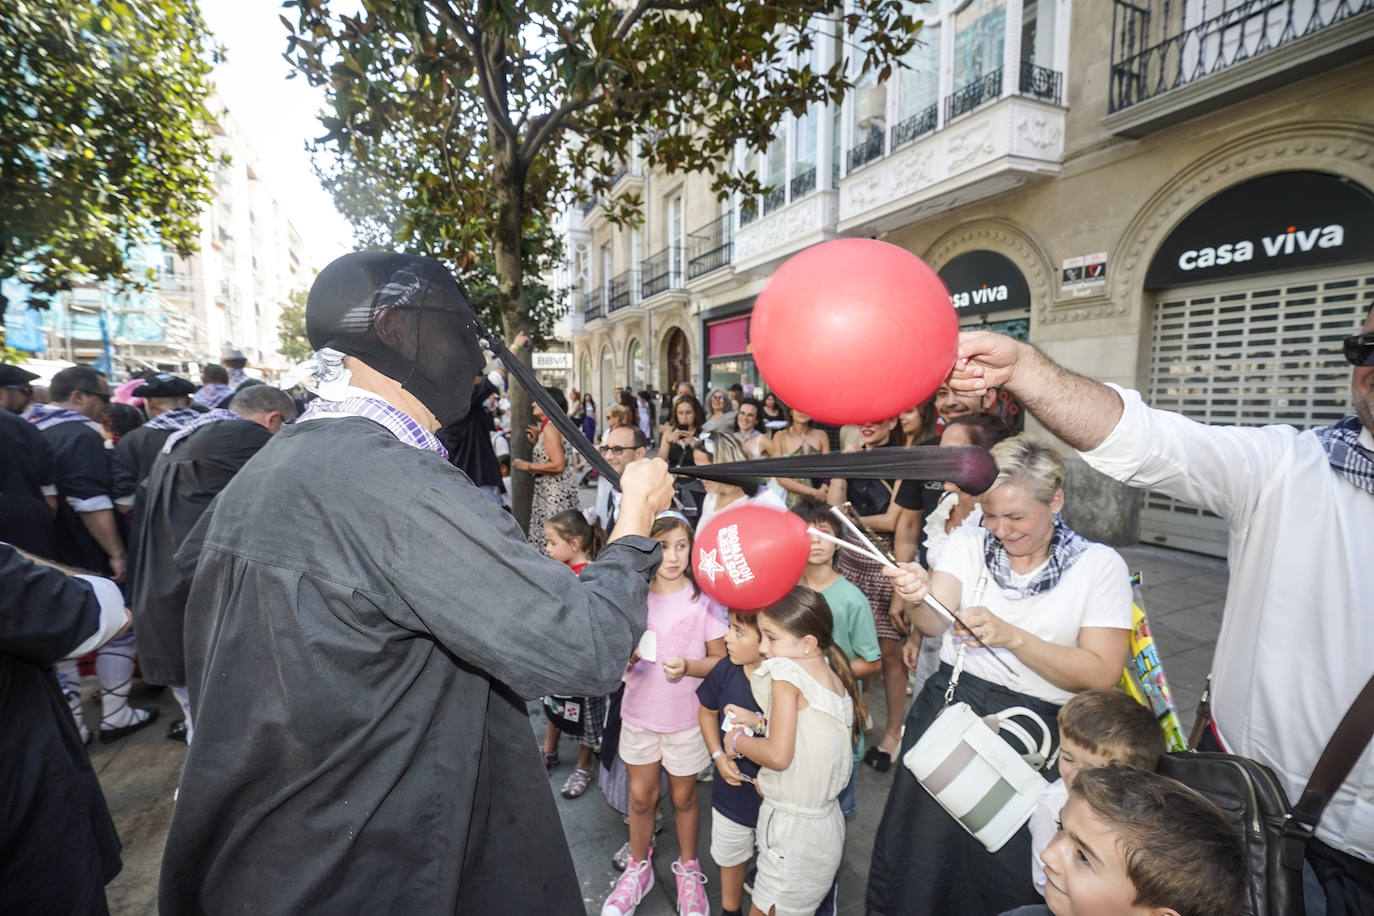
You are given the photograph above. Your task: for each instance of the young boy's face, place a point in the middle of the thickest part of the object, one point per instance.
(742, 641)
(1074, 757)
(822, 551)
(1086, 874)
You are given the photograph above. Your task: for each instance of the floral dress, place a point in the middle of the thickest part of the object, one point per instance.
(553, 493)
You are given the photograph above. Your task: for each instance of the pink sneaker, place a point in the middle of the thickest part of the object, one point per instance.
(635, 882)
(691, 889)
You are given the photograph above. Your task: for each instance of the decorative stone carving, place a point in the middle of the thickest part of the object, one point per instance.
(786, 230)
(1041, 132)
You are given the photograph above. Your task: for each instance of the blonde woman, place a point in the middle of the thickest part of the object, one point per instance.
(1052, 605)
(722, 448)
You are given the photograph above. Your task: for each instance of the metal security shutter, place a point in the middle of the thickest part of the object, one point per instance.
(1249, 353)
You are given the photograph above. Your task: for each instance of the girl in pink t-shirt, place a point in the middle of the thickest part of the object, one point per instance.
(660, 727)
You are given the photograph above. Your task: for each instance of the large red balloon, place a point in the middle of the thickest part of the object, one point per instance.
(854, 331)
(748, 557)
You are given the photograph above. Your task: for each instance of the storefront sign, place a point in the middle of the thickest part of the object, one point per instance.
(728, 336)
(985, 281)
(553, 360)
(1285, 221)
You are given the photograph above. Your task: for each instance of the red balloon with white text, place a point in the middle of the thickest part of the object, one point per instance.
(854, 331)
(749, 557)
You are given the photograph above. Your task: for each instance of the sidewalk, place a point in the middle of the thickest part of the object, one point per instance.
(1183, 596)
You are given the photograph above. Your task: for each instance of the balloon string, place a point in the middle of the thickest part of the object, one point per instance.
(841, 542)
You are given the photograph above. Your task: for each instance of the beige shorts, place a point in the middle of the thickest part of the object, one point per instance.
(732, 843)
(683, 753)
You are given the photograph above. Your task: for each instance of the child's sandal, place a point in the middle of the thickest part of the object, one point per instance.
(577, 782)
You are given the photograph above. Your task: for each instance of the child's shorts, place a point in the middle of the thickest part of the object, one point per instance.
(683, 753)
(732, 843)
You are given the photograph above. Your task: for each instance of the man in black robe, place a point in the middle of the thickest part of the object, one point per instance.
(167, 401)
(28, 486)
(187, 475)
(58, 847)
(362, 626)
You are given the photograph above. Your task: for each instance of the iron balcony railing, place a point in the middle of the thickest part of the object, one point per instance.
(1041, 83)
(918, 125)
(774, 199)
(593, 303)
(803, 183)
(709, 247)
(661, 272)
(963, 100)
(748, 211)
(1159, 45)
(619, 174)
(624, 291)
(865, 152)
(587, 206)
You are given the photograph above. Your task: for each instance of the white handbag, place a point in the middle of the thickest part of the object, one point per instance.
(980, 779)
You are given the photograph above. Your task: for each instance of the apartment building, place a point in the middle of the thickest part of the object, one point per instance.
(1174, 195)
(227, 293)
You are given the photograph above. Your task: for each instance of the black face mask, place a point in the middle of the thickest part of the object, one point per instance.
(404, 316)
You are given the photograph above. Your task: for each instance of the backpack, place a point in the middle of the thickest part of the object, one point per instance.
(1274, 833)
(1255, 805)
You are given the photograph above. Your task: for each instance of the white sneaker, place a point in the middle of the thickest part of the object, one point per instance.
(635, 882)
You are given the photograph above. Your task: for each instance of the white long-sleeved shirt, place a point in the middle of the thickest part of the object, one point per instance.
(1297, 636)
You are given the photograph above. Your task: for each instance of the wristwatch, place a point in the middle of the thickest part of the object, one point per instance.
(719, 752)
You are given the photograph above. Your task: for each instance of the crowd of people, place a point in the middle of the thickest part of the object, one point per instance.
(354, 684)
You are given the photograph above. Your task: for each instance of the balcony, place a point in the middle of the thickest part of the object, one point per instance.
(593, 303)
(996, 145)
(661, 272)
(965, 99)
(762, 244)
(775, 199)
(1041, 83)
(1171, 61)
(867, 151)
(709, 247)
(916, 126)
(623, 291)
(803, 183)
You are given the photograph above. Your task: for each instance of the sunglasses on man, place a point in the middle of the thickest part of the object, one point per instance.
(1359, 350)
(104, 396)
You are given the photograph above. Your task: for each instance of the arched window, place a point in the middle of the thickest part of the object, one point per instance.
(635, 363)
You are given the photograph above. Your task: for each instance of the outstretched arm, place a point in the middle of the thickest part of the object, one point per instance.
(1078, 410)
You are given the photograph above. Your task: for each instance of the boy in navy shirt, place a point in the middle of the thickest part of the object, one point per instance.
(734, 800)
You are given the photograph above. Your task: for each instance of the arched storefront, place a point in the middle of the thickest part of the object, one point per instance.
(1253, 291)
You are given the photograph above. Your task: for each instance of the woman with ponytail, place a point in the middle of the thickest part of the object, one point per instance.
(803, 744)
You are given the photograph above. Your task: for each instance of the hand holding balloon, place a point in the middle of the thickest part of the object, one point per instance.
(985, 360)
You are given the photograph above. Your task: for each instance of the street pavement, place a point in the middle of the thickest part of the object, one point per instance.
(1183, 593)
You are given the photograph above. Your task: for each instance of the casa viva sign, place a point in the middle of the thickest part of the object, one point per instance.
(1284, 221)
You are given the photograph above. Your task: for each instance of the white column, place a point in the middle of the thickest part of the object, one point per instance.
(1011, 48)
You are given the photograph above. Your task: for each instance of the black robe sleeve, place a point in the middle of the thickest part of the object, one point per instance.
(47, 613)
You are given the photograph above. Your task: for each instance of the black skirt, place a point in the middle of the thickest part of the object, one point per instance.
(924, 862)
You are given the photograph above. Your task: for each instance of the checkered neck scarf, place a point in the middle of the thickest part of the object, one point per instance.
(46, 416)
(176, 418)
(1065, 548)
(202, 419)
(212, 395)
(401, 424)
(1348, 457)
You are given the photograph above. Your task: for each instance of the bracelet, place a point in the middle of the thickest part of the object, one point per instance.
(761, 729)
(718, 752)
(734, 744)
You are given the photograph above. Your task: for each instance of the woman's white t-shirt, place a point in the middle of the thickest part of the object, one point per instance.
(1095, 592)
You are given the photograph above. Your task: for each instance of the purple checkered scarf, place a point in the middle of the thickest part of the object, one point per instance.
(202, 419)
(176, 418)
(1348, 457)
(211, 395)
(46, 416)
(401, 424)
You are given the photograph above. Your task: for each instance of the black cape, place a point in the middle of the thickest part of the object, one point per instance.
(26, 467)
(180, 487)
(58, 846)
(130, 465)
(469, 440)
(361, 628)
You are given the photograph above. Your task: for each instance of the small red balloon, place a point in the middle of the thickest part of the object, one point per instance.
(749, 557)
(854, 331)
